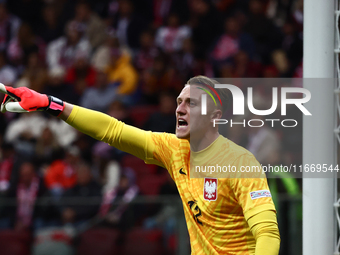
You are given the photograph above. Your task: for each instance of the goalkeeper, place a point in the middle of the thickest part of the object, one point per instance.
(224, 216)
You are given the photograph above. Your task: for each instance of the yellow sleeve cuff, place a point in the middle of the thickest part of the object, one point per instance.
(264, 228)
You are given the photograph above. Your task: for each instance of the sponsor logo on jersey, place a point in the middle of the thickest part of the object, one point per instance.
(181, 171)
(210, 189)
(260, 193)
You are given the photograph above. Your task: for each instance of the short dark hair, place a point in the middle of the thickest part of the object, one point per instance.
(209, 83)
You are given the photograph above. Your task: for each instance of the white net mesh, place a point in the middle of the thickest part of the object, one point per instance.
(337, 129)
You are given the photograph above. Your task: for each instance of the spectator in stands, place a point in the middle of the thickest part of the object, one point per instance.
(224, 5)
(231, 42)
(28, 11)
(164, 218)
(85, 189)
(162, 9)
(116, 207)
(57, 86)
(7, 158)
(81, 73)
(298, 72)
(205, 23)
(297, 14)
(47, 148)
(92, 24)
(9, 26)
(244, 67)
(25, 43)
(170, 38)
(128, 24)
(64, 134)
(184, 59)
(3, 123)
(292, 44)
(105, 170)
(51, 28)
(22, 133)
(85, 144)
(202, 66)
(6, 165)
(279, 10)
(34, 75)
(226, 70)
(62, 174)
(26, 193)
(2, 128)
(164, 119)
(147, 52)
(101, 56)
(122, 194)
(8, 74)
(265, 34)
(270, 71)
(160, 77)
(100, 96)
(282, 64)
(122, 72)
(62, 51)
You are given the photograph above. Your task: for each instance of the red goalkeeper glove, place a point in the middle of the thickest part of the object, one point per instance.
(26, 100)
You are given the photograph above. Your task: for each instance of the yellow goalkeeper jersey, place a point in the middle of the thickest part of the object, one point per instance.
(216, 219)
(216, 209)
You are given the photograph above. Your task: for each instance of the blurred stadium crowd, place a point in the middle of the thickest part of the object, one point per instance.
(129, 59)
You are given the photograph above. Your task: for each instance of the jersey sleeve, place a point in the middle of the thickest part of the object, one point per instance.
(151, 147)
(251, 188)
(265, 230)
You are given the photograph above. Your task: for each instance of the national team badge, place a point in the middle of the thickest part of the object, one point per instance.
(210, 189)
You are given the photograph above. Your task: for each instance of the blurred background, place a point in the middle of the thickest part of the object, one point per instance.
(62, 192)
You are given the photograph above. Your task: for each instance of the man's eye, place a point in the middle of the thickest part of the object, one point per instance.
(192, 103)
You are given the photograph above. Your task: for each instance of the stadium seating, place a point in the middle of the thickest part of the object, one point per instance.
(103, 241)
(98, 241)
(14, 242)
(150, 185)
(148, 181)
(138, 165)
(140, 242)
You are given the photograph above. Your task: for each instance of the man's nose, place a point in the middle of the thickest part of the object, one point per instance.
(181, 109)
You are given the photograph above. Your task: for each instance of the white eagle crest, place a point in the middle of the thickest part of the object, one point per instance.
(210, 189)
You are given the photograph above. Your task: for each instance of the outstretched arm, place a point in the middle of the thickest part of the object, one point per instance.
(95, 124)
(104, 128)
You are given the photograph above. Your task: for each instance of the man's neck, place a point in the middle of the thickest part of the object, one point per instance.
(200, 143)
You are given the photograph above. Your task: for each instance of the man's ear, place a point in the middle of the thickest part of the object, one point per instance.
(216, 114)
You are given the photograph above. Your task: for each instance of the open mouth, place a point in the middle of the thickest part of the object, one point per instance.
(182, 123)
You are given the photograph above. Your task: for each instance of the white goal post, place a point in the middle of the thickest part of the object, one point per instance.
(319, 140)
